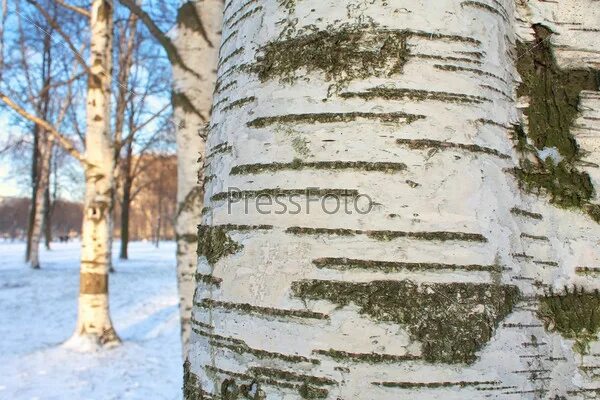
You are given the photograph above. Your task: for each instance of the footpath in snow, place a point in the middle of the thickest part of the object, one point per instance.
(38, 311)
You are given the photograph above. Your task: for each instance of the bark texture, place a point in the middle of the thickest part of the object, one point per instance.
(39, 203)
(94, 322)
(198, 37)
(472, 276)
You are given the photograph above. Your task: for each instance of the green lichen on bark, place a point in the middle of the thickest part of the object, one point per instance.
(215, 243)
(452, 321)
(553, 106)
(574, 315)
(340, 55)
(553, 93)
(565, 186)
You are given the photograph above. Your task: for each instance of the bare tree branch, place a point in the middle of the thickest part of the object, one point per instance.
(52, 22)
(64, 142)
(76, 9)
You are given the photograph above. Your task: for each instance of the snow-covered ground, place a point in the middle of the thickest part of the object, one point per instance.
(38, 311)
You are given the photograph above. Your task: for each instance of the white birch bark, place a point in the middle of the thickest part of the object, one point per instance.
(436, 292)
(94, 325)
(197, 41)
(46, 143)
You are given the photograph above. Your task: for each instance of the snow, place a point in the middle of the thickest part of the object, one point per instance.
(38, 310)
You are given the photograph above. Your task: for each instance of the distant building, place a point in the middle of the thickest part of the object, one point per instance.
(154, 203)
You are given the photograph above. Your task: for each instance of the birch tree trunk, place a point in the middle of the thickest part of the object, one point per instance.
(42, 156)
(127, 183)
(399, 208)
(45, 144)
(198, 37)
(94, 324)
(35, 155)
(48, 206)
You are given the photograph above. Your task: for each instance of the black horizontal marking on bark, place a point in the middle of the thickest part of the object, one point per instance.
(446, 58)
(227, 39)
(527, 371)
(539, 391)
(92, 283)
(438, 36)
(201, 324)
(496, 388)
(433, 385)
(219, 148)
(548, 263)
(209, 280)
(236, 12)
(240, 347)
(496, 90)
(525, 213)
(229, 71)
(476, 71)
(439, 144)
(245, 169)
(587, 270)
(240, 228)
(523, 326)
(292, 376)
(245, 15)
(258, 310)
(324, 118)
(491, 122)
(373, 358)
(522, 255)
(238, 195)
(414, 94)
(234, 53)
(534, 237)
(394, 266)
(305, 389)
(221, 89)
(238, 103)
(389, 235)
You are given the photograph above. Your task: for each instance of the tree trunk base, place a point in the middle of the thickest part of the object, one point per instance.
(89, 342)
